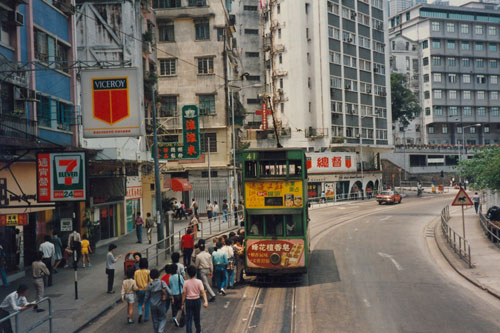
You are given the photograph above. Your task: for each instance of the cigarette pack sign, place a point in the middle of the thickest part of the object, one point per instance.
(290, 251)
(274, 194)
(330, 162)
(12, 220)
(61, 177)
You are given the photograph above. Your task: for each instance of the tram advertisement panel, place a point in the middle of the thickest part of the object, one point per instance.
(274, 194)
(270, 253)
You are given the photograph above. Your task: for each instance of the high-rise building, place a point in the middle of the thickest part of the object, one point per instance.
(327, 81)
(397, 6)
(458, 53)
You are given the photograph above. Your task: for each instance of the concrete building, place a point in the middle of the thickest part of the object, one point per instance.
(195, 54)
(37, 113)
(327, 82)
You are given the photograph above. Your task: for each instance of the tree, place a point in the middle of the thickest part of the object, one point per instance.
(405, 106)
(482, 169)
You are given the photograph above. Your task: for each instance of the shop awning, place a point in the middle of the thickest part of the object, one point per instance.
(181, 185)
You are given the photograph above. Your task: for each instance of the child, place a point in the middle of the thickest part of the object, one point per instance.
(157, 295)
(85, 250)
(129, 287)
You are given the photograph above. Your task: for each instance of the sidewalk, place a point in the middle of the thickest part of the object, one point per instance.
(70, 314)
(485, 255)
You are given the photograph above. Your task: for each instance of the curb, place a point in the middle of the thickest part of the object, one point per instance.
(458, 270)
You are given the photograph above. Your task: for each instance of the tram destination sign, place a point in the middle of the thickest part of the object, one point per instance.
(61, 176)
(274, 194)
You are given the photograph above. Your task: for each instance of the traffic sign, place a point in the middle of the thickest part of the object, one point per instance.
(462, 199)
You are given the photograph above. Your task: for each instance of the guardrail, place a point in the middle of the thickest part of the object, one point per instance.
(16, 314)
(339, 197)
(221, 223)
(463, 246)
(491, 230)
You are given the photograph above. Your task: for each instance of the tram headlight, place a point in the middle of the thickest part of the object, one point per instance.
(275, 259)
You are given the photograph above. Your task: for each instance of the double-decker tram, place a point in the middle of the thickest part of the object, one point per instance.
(276, 218)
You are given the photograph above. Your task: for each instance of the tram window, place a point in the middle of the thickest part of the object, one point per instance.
(295, 168)
(273, 168)
(274, 225)
(251, 169)
(255, 227)
(294, 225)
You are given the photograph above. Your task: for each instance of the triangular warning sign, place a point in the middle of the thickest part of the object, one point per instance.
(462, 199)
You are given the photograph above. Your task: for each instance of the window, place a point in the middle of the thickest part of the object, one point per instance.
(486, 129)
(364, 42)
(494, 111)
(279, 33)
(252, 54)
(478, 29)
(467, 111)
(363, 19)
(425, 61)
(452, 61)
(437, 93)
(465, 62)
(438, 111)
(168, 67)
(493, 79)
(427, 111)
(335, 82)
(492, 47)
(378, 4)
(197, 3)
(207, 104)
(436, 60)
(452, 78)
(480, 63)
(464, 28)
(492, 30)
(202, 28)
(378, 68)
(280, 58)
(251, 31)
(430, 129)
(351, 108)
(250, 8)
(435, 26)
(481, 79)
(478, 46)
(166, 32)
(206, 65)
(253, 101)
(205, 138)
(349, 37)
(480, 94)
(334, 57)
(494, 95)
(459, 129)
(426, 77)
(378, 47)
(452, 111)
(366, 110)
(364, 64)
(444, 129)
(333, 32)
(168, 106)
(436, 44)
(472, 130)
(450, 27)
(452, 94)
(466, 78)
(351, 85)
(349, 61)
(465, 46)
(336, 107)
(44, 47)
(220, 34)
(466, 94)
(253, 78)
(167, 3)
(427, 95)
(451, 44)
(436, 77)
(365, 87)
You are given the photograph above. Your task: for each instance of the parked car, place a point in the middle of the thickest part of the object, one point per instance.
(389, 197)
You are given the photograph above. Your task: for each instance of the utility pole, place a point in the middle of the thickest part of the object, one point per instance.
(235, 175)
(157, 172)
(209, 173)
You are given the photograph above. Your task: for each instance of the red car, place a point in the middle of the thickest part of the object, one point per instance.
(389, 197)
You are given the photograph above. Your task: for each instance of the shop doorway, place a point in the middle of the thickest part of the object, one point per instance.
(107, 218)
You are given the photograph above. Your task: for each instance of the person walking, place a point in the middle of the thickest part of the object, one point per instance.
(209, 210)
(191, 300)
(39, 270)
(229, 277)
(75, 243)
(139, 222)
(187, 246)
(157, 295)
(170, 269)
(194, 207)
(239, 253)
(58, 251)
(150, 223)
(225, 210)
(183, 211)
(193, 224)
(175, 260)
(142, 279)
(86, 250)
(219, 259)
(129, 287)
(215, 209)
(476, 200)
(48, 251)
(176, 284)
(15, 301)
(204, 265)
(235, 212)
(110, 267)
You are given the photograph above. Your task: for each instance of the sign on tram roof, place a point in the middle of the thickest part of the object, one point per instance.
(462, 199)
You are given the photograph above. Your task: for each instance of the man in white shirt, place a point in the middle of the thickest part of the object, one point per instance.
(15, 301)
(48, 249)
(205, 266)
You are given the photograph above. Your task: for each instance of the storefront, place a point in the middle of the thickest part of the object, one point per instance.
(133, 201)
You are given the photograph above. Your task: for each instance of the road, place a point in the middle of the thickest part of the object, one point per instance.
(374, 269)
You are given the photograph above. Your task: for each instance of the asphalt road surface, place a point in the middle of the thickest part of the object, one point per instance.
(373, 269)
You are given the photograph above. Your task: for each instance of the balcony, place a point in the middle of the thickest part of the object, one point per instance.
(183, 9)
(314, 133)
(17, 128)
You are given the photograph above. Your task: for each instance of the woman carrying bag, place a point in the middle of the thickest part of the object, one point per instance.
(157, 295)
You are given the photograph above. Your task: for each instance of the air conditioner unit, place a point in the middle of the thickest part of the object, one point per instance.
(348, 87)
(368, 91)
(65, 6)
(280, 91)
(31, 95)
(147, 48)
(17, 18)
(349, 40)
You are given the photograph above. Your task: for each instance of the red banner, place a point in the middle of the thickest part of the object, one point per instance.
(290, 253)
(12, 220)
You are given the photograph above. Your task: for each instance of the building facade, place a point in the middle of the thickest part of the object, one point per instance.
(458, 51)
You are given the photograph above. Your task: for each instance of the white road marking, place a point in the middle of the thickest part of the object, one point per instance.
(385, 255)
(386, 218)
(227, 304)
(366, 302)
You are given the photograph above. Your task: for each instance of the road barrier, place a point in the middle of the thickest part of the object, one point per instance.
(491, 229)
(463, 246)
(314, 201)
(16, 314)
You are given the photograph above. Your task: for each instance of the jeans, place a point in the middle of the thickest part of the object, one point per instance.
(214, 214)
(476, 206)
(204, 277)
(224, 215)
(230, 277)
(111, 278)
(48, 263)
(4, 276)
(158, 316)
(138, 231)
(193, 309)
(220, 276)
(141, 297)
(6, 326)
(177, 305)
(187, 252)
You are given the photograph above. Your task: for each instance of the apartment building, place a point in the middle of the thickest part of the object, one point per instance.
(195, 54)
(459, 51)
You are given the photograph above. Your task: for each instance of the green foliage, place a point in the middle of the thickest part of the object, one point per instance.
(483, 170)
(405, 106)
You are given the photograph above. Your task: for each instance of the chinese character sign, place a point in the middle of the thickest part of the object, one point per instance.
(318, 163)
(291, 252)
(190, 132)
(61, 177)
(274, 194)
(11, 220)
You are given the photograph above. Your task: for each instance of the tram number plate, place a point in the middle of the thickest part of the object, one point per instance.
(273, 201)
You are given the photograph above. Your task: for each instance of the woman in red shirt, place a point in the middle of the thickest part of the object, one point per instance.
(187, 246)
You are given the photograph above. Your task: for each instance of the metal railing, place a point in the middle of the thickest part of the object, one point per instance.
(16, 314)
(206, 228)
(491, 229)
(462, 248)
(340, 197)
